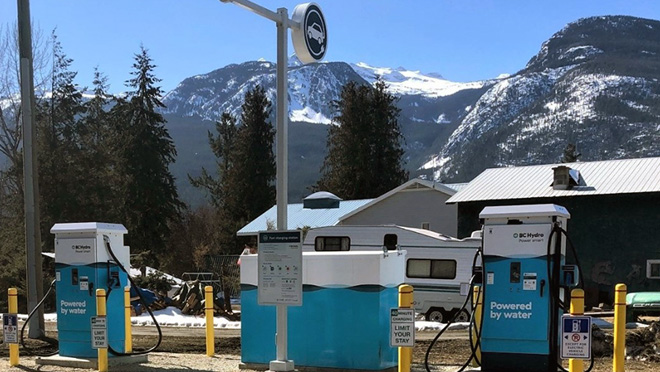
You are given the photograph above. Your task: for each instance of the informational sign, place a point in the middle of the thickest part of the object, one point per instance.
(279, 263)
(575, 337)
(99, 332)
(402, 327)
(310, 41)
(10, 328)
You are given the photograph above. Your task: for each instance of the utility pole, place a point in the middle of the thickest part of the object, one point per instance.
(30, 175)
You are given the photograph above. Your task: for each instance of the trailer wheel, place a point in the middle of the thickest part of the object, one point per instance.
(462, 317)
(435, 314)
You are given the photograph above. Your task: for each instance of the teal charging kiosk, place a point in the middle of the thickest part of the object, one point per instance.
(522, 261)
(83, 265)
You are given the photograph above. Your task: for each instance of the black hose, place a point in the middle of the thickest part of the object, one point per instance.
(36, 308)
(555, 294)
(142, 301)
(453, 318)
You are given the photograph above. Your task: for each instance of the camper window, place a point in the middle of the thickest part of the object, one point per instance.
(432, 269)
(332, 243)
(390, 241)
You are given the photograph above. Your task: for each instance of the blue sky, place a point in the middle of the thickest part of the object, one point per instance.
(463, 40)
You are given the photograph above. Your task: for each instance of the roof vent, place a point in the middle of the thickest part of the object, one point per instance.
(321, 200)
(565, 178)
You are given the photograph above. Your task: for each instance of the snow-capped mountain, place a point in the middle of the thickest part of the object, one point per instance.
(405, 82)
(594, 84)
(312, 88)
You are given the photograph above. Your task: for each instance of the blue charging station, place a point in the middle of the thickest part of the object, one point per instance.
(83, 265)
(343, 323)
(523, 261)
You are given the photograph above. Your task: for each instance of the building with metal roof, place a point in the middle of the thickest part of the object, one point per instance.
(300, 216)
(535, 181)
(416, 203)
(614, 207)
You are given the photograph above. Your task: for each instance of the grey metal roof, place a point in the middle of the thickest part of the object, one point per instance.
(457, 186)
(413, 184)
(298, 217)
(597, 178)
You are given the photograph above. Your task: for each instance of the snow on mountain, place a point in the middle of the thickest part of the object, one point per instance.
(406, 82)
(595, 83)
(312, 88)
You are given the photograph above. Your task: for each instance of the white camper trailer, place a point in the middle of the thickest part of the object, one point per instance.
(438, 267)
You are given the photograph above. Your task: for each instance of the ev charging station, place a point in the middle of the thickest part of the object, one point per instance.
(83, 264)
(524, 282)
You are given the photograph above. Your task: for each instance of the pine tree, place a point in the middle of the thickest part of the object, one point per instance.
(250, 190)
(222, 146)
(97, 158)
(364, 157)
(61, 178)
(150, 196)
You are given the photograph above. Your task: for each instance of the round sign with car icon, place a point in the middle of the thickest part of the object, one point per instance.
(310, 41)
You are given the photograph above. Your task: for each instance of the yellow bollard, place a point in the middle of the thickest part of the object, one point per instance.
(477, 298)
(101, 312)
(128, 342)
(619, 327)
(577, 308)
(208, 307)
(406, 302)
(13, 309)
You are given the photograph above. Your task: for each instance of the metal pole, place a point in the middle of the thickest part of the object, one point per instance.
(30, 175)
(208, 312)
(577, 308)
(101, 311)
(282, 173)
(406, 297)
(619, 359)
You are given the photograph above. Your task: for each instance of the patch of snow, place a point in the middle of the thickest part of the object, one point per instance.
(308, 115)
(423, 325)
(434, 163)
(442, 119)
(406, 82)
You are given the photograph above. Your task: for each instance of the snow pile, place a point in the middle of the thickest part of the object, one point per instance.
(423, 325)
(172, 317)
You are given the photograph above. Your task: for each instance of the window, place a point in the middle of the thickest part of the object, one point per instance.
(426, 225)
(653, 269)
(332, 243)
(390, 241)
(432, 269)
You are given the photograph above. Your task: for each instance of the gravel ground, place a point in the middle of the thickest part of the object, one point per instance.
(183, 351)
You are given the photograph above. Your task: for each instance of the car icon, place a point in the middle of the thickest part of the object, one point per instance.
(315, 32)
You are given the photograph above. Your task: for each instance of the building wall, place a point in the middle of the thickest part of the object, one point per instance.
(411, 208)
(614, 236)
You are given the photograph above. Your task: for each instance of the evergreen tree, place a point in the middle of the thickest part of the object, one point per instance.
(571, 154)
(60, 175)
(222, 146)
(97, 144)
(150, 197)
(364, 157)
(251, 175)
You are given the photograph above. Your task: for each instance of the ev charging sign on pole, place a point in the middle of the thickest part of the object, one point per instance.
(310, 41)
(279, 265)
(575, 337)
